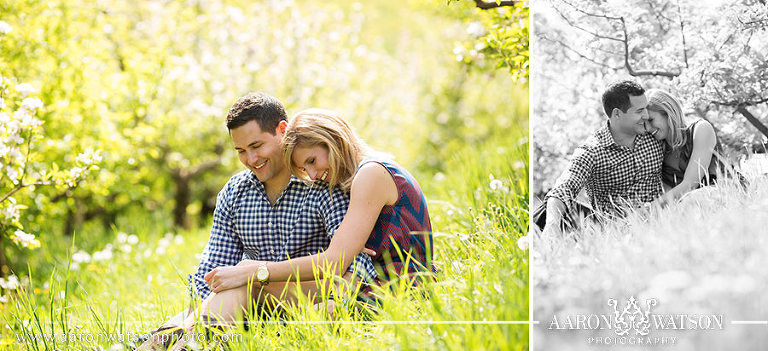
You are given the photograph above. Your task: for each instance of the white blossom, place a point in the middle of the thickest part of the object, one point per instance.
(5, 28)
(476, 29)
(11, 211)
(496, 184)
(12, 174)
(89, 157)
(76, 172)
(25, 239)
(133, 239)
(31, 103)
(25, 89)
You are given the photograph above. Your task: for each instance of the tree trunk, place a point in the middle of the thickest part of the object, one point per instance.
(3, 262)
(182, 196)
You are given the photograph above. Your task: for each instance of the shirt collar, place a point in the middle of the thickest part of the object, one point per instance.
(604, 137)
(252, 178)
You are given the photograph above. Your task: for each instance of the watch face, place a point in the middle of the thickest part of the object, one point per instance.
(262, 273)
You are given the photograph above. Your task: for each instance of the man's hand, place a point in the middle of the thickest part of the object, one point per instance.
(555, 210)
(230, 277)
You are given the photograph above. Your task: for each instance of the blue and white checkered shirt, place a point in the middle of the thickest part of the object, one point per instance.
(247, 226)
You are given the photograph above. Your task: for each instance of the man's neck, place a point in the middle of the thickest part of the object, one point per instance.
(275, 186)
(624, 139)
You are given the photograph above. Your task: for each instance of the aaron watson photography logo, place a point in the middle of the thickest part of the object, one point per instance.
(634, 324)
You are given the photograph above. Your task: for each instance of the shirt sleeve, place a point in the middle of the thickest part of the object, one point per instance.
(224, 247)
(334, 214)
(573, 179)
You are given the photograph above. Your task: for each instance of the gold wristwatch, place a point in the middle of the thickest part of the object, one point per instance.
(262, 274)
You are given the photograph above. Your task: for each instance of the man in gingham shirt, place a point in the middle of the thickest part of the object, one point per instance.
(619, 164)
(264, 213)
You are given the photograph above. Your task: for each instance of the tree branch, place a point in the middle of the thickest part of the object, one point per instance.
(493, 4)
(682, 33)
(632, 72)
(752, 119)
(592, 33)
(624, 40)
(583, 56)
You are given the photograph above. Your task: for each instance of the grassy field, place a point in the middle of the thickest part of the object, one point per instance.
(137, 281)
(705, 255)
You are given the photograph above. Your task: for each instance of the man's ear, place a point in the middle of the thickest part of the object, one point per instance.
(281, 127)
(616, 112)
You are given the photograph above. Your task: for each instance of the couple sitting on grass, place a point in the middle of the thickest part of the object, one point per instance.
(314, 203)
(645, 154)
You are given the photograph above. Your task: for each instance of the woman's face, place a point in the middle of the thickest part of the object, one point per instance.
(312, 160)
(659, 125)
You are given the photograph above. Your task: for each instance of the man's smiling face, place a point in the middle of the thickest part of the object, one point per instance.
(633, 121)
(260, 151)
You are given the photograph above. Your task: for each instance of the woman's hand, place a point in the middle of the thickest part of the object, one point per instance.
(369, 252)
(230, 277)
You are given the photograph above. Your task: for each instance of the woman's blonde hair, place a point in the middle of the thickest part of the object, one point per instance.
(669, 106)
(318, 127)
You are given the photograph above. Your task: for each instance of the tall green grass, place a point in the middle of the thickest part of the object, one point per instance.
(704, 254)
(478, 214)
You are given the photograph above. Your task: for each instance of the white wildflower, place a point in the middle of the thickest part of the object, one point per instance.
(121, 237)
(103, 255)
(496, 184)
(12, 283)
(125, 248)
(178, 239)
(5, 28)
(524, 242)
(133, 239)
(81, 257)
(439, 177)
(2, 103)
(3, 299)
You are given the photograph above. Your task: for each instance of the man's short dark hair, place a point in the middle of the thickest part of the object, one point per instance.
(263, 108)
(617, 95)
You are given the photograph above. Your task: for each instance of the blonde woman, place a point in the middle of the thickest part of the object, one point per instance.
(691, 158)
(387, 214)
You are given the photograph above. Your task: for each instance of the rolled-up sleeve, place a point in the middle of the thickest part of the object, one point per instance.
(334, 213)
(574, 178)
(224, 247)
